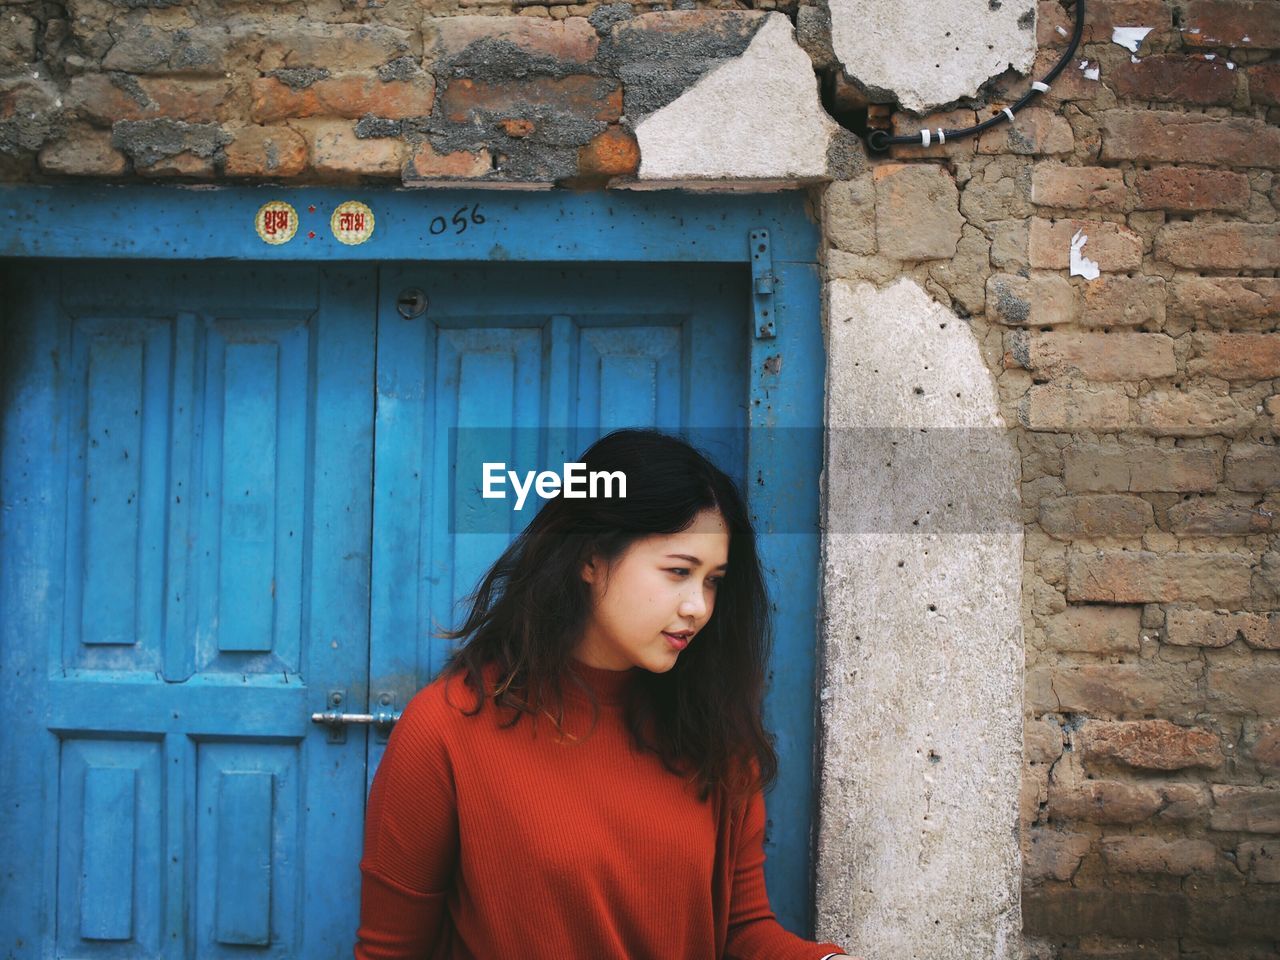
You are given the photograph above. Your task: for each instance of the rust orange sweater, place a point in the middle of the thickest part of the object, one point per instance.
(516, 844)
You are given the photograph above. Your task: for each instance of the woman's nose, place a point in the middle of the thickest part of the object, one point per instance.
(694, 605)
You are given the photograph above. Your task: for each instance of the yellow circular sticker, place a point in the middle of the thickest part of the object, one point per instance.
(276, 222)
(352, 222)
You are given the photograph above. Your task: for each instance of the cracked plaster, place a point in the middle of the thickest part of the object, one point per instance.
(926, 54)
(757, 117)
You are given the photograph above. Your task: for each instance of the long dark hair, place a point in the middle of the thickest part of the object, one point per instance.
(529, 611)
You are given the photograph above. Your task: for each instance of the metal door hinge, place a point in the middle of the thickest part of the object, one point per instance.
(762, 284)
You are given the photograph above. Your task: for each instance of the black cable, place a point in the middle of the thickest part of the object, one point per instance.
(880, 141)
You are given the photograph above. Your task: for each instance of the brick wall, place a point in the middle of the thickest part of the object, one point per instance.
(1151, 477)
(1147, 408)
(1146, 402)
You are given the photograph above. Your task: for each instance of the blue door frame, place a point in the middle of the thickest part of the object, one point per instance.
(772, 234)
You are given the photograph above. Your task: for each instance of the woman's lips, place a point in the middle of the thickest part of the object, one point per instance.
(678, 642)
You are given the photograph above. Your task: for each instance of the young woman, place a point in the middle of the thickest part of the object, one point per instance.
(584, 778)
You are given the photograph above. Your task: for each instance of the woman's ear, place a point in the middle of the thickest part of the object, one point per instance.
(591, 570)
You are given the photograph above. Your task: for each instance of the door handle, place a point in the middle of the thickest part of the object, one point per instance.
(336, 720)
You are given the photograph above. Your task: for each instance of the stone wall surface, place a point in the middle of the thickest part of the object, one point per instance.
(1081, 726)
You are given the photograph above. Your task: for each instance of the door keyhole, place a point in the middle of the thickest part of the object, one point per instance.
(412, 303)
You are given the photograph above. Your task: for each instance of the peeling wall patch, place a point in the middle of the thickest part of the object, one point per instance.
(925, 54)
(1082, 266)
(1130, 37)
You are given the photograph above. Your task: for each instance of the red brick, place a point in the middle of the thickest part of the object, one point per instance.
(1061, 914)
(1191, 412)
(1067, 407)
(1116, 301)
(1039, 300)
(573, 40)
(1217, 518)
(1071, 84)
(1192, 627)
(1094, 356)
(1264, 83)
(517, 129)
(83, 153)
(1265, 750)
(1142, 576)
(1174, 78)
(1260, 859)
(908, 124)
(1149, 745)
(1042, 740)
(1077, 188)
(1114, 247)
(1095, 628)
(1252, 690)
(1180, 188)
(1251, 809)
(103, 102)
(1053, 855)
(350, 96)
(1124, 691)
(1231, 23)
(1103, 801)
(1220, 246)
(1253, 469)
(296, 40)
(426, 163)
(1236, 356)
(1144, 469)
(1225, 301)
(1099, 20)
(1095, 515)
(1177, 858)
(613, 153)
(336, 152)
(265, 152)
(1166, 137)
(576, 95)
(185, 164)
(1034, 130)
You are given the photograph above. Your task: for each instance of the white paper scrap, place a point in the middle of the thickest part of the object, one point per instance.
(1091, 73)
(1061, 30)
(1082, 266)
(1130, 37)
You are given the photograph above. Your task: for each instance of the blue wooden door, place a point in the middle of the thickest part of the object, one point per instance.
(187, 455)
(203, 545)
(524, 365)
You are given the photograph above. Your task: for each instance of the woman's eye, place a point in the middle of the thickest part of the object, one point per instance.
(682, 571)
(714, 582)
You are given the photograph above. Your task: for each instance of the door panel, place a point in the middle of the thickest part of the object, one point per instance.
(524, 365)
(188, 581)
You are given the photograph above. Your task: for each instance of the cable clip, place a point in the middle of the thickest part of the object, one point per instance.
(924, 137)
(1040, 85)
(1008, 113)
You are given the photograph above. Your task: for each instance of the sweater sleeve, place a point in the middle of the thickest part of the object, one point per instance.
(754, 931)
(410, 840)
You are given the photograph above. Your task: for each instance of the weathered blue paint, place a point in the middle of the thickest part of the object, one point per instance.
(171, 620)
(164, 222)
(158, 759)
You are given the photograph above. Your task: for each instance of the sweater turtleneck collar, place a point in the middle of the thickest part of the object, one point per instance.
(609, 686)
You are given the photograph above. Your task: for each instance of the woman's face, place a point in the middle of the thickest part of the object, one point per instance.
(661, 586)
